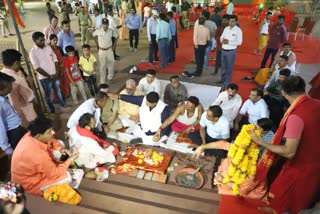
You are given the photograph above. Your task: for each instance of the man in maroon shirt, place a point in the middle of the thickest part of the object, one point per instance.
(277, 35)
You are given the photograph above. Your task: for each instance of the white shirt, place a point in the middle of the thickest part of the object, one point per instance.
(146, 88)
(234, 36)
(43, 58)
(151, 27)
(230, 8)
(90, 152)
(98, 22)
(255, 111)
(230, 107)
(274, 77)
(169, 6)
(218, 130)
(86, 107)
(113, 24)
(265, 27)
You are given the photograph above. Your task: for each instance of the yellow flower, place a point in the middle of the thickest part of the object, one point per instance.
(244, 155)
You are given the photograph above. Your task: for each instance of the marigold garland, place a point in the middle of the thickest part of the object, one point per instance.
(244, 155)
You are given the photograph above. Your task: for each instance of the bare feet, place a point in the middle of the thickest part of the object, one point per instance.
(218, 177)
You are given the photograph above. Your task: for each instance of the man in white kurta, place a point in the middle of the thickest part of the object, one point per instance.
(92, 106)
(230, 102)
(149, 83)
(152, 113)
(93, 151)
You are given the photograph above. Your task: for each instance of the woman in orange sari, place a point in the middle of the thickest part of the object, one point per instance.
(64, 86)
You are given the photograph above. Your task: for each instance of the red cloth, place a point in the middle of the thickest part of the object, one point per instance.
(15, 13)
(103, 143)
(72, 66)
(64, 84)
(217, 37)
(315, 90)
(230, 204)
(180, 127)
(298, 183)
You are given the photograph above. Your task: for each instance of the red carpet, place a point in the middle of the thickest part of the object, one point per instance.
(184, 55)
(237, 205)
(307, 52)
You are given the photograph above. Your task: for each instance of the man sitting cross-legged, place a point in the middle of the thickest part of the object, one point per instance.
(93, 150)
(213, 127)
(33, 165)
(185, 118)
(152, 113)
(128, 112)
(109, 114)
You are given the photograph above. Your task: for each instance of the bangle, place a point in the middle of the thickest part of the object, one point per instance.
(71, 160)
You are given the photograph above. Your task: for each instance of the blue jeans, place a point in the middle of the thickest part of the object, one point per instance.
(273, 52)
(218, 61)
(49, 84)
(206, 55)
(164, 51)
(227, 62)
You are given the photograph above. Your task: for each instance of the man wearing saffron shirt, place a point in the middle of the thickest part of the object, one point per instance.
(33, 166)
(296, 185)
(277, 35)
(93, 151)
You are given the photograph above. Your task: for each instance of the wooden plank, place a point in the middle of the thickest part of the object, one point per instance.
(169, 200)
(119, 204)
(38, 205)
(126, 180)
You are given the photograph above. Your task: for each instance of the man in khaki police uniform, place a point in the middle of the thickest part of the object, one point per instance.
(85, 22)
(103, 39)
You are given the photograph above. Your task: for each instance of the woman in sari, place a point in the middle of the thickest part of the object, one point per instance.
(264, 125)
(64, 86)
(124, 32)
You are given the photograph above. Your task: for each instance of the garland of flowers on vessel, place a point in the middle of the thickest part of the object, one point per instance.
(244, 155)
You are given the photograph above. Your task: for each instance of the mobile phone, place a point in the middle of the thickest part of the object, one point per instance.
(9, 192)
(64, 157)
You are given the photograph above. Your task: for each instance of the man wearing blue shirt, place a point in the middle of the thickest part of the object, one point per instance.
(11, 130)
(173, 31)
(66, 37)
(134, 24)
(163, 38)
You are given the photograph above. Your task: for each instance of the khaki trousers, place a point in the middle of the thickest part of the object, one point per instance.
(75, 88)
(106, 60)
(85, 35)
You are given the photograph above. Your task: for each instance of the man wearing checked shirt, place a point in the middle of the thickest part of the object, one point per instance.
(134, 24)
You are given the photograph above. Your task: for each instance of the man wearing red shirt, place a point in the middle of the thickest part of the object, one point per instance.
(277, 35)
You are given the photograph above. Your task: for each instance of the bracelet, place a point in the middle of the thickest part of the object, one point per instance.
(71, 160)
